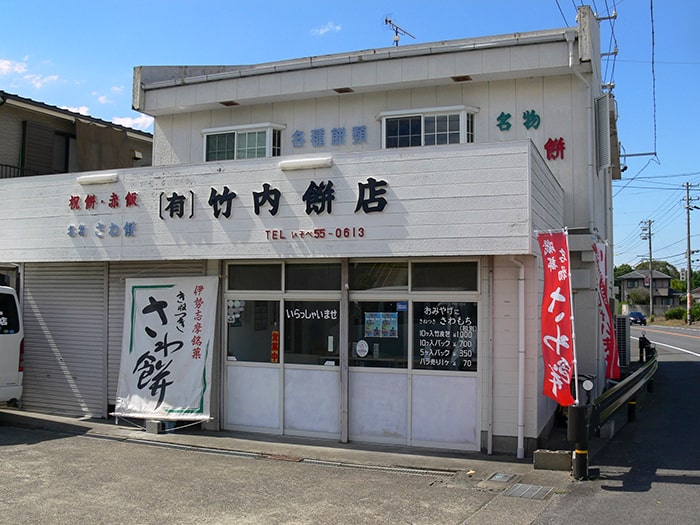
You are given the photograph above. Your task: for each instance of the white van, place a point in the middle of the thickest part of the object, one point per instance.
(11, 347)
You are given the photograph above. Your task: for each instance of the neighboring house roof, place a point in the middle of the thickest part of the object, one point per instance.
(641, 274)
(54, 111)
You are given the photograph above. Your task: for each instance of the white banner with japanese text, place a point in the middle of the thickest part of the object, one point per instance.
(557, 317)
(167, 348)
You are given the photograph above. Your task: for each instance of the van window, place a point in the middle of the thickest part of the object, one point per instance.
(9, 317)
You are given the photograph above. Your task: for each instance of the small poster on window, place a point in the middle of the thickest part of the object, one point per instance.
(382, 324)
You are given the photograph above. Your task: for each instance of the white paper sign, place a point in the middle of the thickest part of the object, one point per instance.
(167, 348)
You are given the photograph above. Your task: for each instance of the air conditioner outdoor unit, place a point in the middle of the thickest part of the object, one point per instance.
(622, 336)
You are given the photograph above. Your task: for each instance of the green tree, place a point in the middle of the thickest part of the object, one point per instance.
(660, 266)
(639, 296)
(678, 285)
(621, 270)
(696, 279)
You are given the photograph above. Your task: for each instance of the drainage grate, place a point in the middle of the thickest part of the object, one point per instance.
(402, 470)
(520, 490)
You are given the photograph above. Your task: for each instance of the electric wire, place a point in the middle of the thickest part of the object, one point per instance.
(653, 68)
(612, 44)
(653, 159)
(561, 12)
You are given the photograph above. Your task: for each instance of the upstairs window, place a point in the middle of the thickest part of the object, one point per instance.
(427, 127)
(243, 142)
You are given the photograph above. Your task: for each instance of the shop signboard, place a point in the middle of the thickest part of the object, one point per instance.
(167, 348)
(445, 335)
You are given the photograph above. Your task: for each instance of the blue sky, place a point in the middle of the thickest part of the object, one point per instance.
(80, 54)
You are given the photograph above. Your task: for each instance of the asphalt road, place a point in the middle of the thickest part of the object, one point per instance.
(650, 471)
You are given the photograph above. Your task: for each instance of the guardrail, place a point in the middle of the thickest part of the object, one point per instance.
(583, 419)
(610, 401)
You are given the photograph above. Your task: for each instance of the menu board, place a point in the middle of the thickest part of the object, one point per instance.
(445, 336)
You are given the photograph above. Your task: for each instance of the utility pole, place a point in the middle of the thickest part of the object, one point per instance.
(689, 272)
(646, 235)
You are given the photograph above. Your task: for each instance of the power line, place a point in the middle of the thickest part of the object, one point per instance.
(653, 69)
(566, 23)
(638, 173)
(684, 175)
(664, 62)
(612, 43)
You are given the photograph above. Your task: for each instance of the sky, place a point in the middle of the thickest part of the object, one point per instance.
(80, 55)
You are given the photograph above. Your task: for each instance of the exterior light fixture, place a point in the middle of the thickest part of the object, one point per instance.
(306, 163)
(99, 178)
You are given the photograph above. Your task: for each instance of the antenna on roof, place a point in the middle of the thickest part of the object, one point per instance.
(397, 31)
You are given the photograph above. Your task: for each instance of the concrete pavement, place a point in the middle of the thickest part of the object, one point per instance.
(507, 490)
(478, 467)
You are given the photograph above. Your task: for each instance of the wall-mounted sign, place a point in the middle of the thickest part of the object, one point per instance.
(445, 336)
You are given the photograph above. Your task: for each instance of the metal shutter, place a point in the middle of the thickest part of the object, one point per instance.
(118, 272)
(65, 340)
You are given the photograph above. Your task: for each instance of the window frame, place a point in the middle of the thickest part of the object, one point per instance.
(273, 139)
(411, 297)
(391, 294)
(466, 122)
(284, 296)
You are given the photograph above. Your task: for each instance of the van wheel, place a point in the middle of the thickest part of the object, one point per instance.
(15, 403)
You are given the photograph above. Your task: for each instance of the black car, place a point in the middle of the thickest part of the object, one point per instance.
(637, 318)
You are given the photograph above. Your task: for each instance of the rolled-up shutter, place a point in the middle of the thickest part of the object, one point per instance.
(65, 338)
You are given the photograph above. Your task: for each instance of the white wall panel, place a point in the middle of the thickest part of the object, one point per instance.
(378, 406)
(312, 401)
(452, 200)
(445, 411)
(253, 398)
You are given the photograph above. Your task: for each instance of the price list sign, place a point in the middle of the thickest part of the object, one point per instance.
(445, 336)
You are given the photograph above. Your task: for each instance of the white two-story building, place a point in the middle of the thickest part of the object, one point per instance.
(371, 217)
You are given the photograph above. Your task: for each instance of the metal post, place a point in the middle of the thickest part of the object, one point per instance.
(631, 410)
(577, 432)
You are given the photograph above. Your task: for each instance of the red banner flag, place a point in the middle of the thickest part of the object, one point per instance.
(612, 357)
(557, 318)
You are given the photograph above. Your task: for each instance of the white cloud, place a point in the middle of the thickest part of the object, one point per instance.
(117, 89)
(142, 122)
(102, 99)
(10, 66)
(330, 26)
(83, 110)
(38, 81)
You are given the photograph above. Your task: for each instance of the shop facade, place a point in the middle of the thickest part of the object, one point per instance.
(371, 219)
